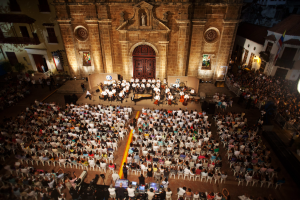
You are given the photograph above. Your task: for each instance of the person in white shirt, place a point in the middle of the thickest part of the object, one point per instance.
(121, 95)
(158, 81)
(131, 191)
(192, 92)
(144, 80)
(153, 80)
(143, 85)
(165, 81)
(170, 97)
(104, 94)
(137, 85)
(150, 194)
(112, 192)
(88, 95)
(186, 97)
(123, 84)
(137, 80)
(133, 87)
(157, 98)
(132, 80)
(149, 80)
(167, 90)
(110, 95)
(148, 86)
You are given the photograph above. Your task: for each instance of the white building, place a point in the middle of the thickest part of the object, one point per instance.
(248, 44)
(288, 62)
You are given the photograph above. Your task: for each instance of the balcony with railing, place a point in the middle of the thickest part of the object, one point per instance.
(20, 40)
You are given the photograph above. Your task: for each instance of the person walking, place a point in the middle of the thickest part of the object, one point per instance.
(125, 170)
(88, 95)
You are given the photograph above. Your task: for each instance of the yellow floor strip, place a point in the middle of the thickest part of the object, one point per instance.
(49, 95)
(127, 148)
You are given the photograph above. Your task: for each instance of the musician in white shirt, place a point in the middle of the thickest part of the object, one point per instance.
(143, 85)
(153, 80)
(121, 95)
(137, 85)
(137, 80)
(132, 80)
(167, 90)
(158, 81)
(192, 92)
(149, 80)
(165, 81)
(104, 93)
(170, 97)
(181, 93)
(144, 80)
(148, 86)
(157, 97)
(88, 95)
(110, 95)
(186, 97)
(133, 87)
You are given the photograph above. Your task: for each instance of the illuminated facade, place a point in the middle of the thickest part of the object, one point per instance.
(179, 33)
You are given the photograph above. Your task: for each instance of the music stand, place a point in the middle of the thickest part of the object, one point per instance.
(103, 178)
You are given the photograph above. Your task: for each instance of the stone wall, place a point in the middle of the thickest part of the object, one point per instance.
(178, 37)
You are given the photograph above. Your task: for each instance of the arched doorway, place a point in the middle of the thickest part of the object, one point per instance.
(144, 62)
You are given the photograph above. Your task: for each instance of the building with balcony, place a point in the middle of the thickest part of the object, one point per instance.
(248, 44)
(256, 47)
(288, 63)
(29, 34)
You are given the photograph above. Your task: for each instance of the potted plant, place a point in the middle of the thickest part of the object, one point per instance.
(20, 67)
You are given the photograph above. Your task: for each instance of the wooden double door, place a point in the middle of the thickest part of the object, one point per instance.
(144, 62)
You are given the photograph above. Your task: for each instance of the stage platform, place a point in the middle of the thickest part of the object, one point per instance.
(145, 103)
(210, 89)
(72, 86)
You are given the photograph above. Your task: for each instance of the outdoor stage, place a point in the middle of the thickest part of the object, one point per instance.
(145, 103)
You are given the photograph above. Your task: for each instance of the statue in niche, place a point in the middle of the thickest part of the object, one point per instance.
(143, 19)
(122, 17)
(165, 16)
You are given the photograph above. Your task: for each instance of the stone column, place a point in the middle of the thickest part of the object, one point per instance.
(183, 45)
(163, 52)
(226, 43)
(105, 34)
(127, 72)
(195, 58)
(95, 44)
(69, 44)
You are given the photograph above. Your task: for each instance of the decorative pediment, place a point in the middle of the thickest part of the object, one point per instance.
(142, 20)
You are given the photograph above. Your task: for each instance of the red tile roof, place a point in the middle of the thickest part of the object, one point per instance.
(252, 32)
(291, 24)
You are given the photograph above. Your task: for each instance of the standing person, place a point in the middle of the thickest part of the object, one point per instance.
(112, 192)
(166, 173)
(169, 194)
(149, 171)
(125, 170)
(130, 191)
(157, 177)
(121, 192)
(82, 86)
(88, 95)
(142, 180)
(165, 183)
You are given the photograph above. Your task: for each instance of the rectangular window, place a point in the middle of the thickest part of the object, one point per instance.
(44, 6)
(86, 59)
(12, 58)
(24, 31)
(14, 6)
(51, 35)
(269, 47)
(206, 65)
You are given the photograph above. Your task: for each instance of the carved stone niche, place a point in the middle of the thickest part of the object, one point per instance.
(135, 24)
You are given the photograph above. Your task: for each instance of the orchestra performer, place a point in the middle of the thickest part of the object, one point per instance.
(149, 80)
(114, 93)
(181, 93)
(137, 80)
(192, 92)
(148, 87)
(157, 98)
(104, 94)
(144, 80)
(153, 80)
(167, 90)
(158, 81)
(186, 97)
(110, 95)
(88, 95)
(153, 86)
(143, 85)
(170, 98)
(165, 81)
(133, 87)
(132, 80)
(121, 95)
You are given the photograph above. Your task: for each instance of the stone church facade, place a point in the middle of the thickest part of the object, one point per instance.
(143, 39)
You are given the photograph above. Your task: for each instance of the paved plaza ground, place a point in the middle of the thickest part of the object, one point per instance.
(289, 190)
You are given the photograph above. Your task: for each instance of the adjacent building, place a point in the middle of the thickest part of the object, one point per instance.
(257, 47)
(29, 34)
